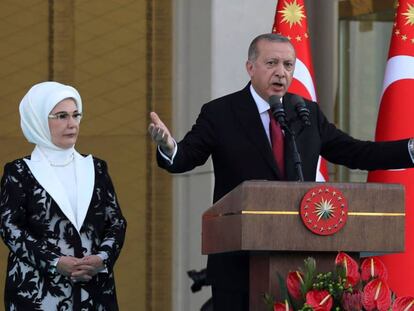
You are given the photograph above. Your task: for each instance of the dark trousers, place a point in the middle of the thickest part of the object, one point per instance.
(229, 300)
(228, 275)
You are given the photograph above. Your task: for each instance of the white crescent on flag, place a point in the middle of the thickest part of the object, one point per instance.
(398, 68)
(319, 176)
(303, 75)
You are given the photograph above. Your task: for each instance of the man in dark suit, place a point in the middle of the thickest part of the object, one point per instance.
(234, 130)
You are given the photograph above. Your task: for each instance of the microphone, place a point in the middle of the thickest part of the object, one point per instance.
(278, 111)
(276, 106)
(301, 109)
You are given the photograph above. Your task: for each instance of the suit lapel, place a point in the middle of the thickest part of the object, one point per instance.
(246, 113)
(44, 174)
(85, 179)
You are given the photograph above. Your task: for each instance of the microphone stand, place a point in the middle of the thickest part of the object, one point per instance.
(296, 156)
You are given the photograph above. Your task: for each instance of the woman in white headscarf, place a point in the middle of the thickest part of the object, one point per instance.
(59, 214)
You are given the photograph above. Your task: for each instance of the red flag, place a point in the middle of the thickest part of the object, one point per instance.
(395, 122)
(291, 22)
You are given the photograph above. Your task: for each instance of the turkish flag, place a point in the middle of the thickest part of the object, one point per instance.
(395, 121)
(291, 22)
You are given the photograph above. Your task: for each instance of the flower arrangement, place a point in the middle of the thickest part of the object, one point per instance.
(349, 288)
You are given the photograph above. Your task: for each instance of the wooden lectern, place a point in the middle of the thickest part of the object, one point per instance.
(262, 218)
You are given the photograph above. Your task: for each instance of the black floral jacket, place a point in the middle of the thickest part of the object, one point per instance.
(37, 233)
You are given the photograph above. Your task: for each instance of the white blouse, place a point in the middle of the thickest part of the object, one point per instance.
(63, 165)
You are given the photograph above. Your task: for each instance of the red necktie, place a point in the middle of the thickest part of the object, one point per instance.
(278, 145)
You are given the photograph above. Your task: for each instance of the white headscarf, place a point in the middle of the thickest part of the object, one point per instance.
(69, 183)
(37, 104)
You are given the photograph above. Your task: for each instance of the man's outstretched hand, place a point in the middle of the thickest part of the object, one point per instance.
(161, 135)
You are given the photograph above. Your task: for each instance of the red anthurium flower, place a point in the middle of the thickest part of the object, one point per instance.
(351, 268)
(319, 300)
(352, 301)
(377, 295)
(294, 281)
(404, 303)
(373, 267)
(280, 306)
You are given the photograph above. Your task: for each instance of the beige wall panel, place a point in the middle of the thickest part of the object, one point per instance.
(120, 61)
(23, 62)
(110, 73)
(105, 54)
(159, 252)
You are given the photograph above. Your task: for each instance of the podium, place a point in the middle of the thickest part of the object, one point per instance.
(262, 218)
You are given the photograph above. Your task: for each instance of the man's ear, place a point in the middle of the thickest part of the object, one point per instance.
(250, 67)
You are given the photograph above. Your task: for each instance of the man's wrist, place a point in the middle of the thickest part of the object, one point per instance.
(169, 158)
(168, 151)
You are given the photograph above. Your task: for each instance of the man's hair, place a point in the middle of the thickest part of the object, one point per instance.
(272, 37)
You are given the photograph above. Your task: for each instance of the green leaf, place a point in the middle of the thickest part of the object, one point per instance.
(269, 300)
(284, 294)
(309, 275)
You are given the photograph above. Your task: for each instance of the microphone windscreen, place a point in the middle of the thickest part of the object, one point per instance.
(301, 108)
(274, 101)
(296, 99)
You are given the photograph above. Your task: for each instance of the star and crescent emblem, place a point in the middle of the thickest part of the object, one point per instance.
(292, 13)
(324, 210)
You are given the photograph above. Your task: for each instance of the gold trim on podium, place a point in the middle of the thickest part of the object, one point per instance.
(372, 214)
